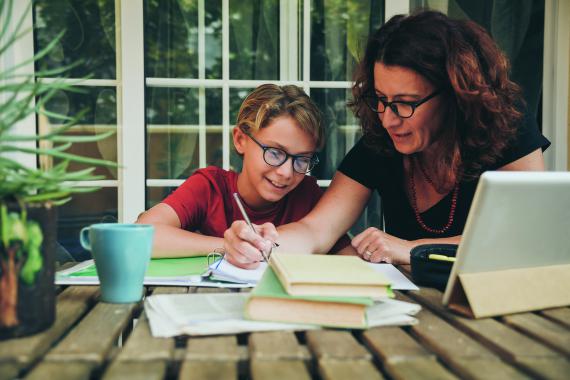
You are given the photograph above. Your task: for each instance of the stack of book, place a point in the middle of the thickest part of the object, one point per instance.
(326, 290)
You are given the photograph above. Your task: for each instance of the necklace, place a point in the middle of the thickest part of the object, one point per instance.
(415, 204)
(426, 176)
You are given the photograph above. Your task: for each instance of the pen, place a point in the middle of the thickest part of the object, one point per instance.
(246, 218)
(437, 257)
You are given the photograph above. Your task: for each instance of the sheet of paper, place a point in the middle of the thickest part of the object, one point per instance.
(397, 279)
(224, 271)
(211, 314)
(390, 312)
(205, 314)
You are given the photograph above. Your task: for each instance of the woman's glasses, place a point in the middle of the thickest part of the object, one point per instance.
(277, 157)
(401, 108)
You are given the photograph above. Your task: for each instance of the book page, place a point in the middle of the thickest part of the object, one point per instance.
(224, 271)
(397, 279)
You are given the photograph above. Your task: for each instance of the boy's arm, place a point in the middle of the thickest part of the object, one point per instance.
(317, 232)
(170, 240)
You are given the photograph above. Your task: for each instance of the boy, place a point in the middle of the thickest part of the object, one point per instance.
(277, 133)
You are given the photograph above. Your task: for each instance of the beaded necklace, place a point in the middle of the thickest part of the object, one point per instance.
(415, 204)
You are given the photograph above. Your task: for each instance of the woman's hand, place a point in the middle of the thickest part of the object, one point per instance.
(377, 246)
(243, 247)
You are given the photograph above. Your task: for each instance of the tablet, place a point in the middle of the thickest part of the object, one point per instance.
(517, 220)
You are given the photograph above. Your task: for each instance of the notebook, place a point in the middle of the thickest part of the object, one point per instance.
(328, 275)
(514, 254)
(183, 271)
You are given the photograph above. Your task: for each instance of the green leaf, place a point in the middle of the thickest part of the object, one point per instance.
(34, 260)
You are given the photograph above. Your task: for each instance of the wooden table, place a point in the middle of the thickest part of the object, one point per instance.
(97, 340)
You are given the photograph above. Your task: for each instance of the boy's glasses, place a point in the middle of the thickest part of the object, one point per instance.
(277, 157)
(401, 108)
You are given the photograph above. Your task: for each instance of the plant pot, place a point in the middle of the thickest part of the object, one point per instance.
(27, 292)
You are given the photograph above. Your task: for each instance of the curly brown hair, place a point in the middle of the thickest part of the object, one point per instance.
(459, 58)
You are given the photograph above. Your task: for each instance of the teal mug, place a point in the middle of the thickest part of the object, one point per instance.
(121, 253)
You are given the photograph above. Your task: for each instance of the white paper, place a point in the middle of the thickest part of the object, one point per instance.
(205, 314)
(224, 271)
(397, 280)
(212, 314)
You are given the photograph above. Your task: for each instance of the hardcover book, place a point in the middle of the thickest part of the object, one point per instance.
(328, 275)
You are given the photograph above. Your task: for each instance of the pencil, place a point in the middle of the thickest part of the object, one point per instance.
(246, 218)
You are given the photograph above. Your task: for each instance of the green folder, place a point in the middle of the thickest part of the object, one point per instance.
(270, 286)
(176, 267)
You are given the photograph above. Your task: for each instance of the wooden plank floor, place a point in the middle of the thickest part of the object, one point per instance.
(92, 340)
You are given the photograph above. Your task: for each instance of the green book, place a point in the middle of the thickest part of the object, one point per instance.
(270, 302)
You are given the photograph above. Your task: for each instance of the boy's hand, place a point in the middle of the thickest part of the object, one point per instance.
(243, 246)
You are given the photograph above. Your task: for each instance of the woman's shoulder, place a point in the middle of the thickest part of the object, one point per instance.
(527, 139)
(364, 151)
(368, 166)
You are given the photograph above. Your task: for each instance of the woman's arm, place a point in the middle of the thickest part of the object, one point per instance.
(170, 240)
(334, 214)
(533, 161)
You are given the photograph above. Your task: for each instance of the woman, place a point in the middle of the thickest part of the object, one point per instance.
(437, 109)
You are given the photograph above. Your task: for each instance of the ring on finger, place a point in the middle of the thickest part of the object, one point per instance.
(367, 254)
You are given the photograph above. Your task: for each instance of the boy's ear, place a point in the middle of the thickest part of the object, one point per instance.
(239, 139)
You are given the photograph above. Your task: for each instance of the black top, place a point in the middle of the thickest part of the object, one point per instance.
(386, 174)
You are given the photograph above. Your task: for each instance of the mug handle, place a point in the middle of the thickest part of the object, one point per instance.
(84, 238)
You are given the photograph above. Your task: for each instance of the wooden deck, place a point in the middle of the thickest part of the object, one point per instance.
(97, 340)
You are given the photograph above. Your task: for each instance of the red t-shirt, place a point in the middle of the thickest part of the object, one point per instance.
(204, 203)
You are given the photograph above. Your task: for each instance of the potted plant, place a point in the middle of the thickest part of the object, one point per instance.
(28, 196)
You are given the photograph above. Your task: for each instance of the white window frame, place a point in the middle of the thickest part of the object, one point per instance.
(130, 84)
(555, 97)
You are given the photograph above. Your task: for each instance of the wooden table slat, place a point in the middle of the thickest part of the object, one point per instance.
(512, 346)
(212, 290)
(92, 339)
(403, 357)
(18, 354)
(542, 329)
(418, 368)
(466, 356)
(219, 348)
(208, 370)
(62, 371)
(560, 315)
(392, 344)
(276, 345)
(141, 346)
(148, 370)
(279, 369)
(170, 290)
(331, 344)
(348, 369)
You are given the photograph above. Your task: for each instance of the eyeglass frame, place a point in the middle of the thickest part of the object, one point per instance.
(394, 109)
(313, 160)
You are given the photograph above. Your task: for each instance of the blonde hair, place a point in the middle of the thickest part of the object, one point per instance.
(270, 101)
